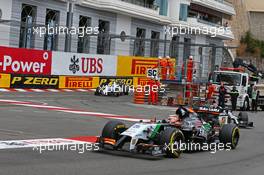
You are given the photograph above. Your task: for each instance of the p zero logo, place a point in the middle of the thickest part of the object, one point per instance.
(23, 81)
(139, 66)
(124, 81)
(79, 82)
(25, 61)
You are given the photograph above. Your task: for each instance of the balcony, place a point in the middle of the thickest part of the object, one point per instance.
(128, 7)
(218, 5)
(142, 4)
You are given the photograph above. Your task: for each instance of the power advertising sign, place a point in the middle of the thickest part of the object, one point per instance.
(25, 61)
(83, 64)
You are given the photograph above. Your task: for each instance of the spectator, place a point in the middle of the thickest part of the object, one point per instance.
(222, 93)
(211, 90)
(255, 94)
(234, 95)
(250, 89)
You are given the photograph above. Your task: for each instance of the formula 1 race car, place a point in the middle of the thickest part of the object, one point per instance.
(166, 137)
(147, 138)
(224, 116)
(113, 89)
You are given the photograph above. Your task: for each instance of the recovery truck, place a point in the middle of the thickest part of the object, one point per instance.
(240, 78)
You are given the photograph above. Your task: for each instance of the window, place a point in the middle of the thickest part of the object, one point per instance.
(230, 79)
(139, 44)
(187, 48)
(83, 38)
(51, 37)
(103, 44)
(174, 46)
(163, 5)
(244, 81)
(154, 45)
(28, 19)
(183, 12)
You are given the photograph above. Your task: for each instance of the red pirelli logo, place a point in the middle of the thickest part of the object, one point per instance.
(75, 82)
(143, 81)
(139, 66)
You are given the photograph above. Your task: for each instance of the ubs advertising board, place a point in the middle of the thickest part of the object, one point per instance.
(73, 64)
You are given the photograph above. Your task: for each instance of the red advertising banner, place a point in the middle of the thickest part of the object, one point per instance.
(25, 61)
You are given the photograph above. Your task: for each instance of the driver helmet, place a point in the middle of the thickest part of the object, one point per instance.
(180, 112)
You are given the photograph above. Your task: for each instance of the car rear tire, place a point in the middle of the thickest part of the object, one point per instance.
(171, 139)
(113, 129)
(229, 134)
(243, 116)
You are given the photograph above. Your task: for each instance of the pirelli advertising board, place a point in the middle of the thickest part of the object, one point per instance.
(129, 81)
(34, 81)
(75, 82)
(141, 81)
(135, 66)
(5, 80)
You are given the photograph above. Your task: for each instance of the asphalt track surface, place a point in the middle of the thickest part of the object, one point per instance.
(20, 122)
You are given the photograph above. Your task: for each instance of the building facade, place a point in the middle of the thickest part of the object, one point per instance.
(143, 22)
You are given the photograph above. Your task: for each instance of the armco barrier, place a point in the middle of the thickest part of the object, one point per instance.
(40, 62)
(28, 68)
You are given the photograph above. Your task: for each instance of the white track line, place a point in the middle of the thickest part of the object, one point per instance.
(21, 90)
(53, 90)
(37, 90)
(4, 90)
(67, 90)
(82, 90)
(72, 111)
(36, 144)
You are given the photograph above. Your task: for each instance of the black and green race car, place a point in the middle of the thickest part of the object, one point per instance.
(163, 138)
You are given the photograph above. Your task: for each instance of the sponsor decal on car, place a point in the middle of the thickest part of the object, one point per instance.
(25, 61)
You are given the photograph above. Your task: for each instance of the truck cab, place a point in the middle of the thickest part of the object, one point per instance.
(233, 78)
